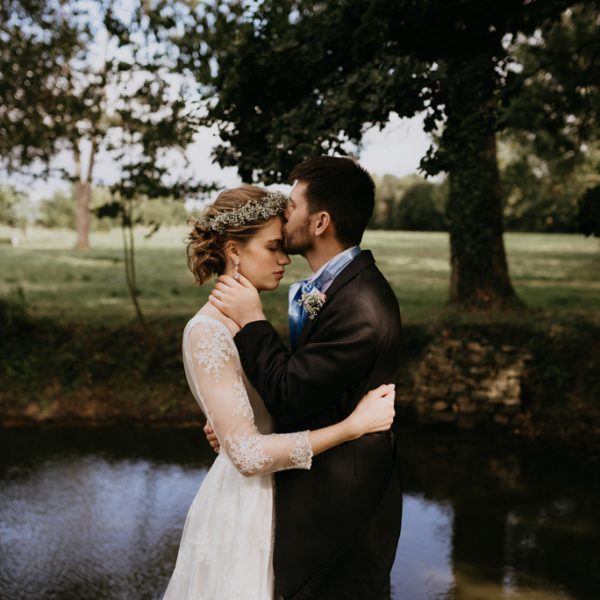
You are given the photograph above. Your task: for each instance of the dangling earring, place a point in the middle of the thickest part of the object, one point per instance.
(236, 274)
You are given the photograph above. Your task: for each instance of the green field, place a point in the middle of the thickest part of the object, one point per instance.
(552, 273)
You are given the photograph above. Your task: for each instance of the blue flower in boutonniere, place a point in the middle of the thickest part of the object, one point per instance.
(312, 302)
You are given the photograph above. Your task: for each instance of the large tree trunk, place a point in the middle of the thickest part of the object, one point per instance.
(479, 275)
(82, 215)
(83, 193)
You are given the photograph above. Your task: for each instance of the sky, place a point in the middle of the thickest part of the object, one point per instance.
(396, 149)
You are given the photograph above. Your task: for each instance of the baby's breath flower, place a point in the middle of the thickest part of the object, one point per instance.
(270, 205)
(312, 302)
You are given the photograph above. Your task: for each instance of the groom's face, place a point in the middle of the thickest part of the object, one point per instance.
(297, 226)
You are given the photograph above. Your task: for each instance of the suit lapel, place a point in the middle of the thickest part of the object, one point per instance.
(362, 261)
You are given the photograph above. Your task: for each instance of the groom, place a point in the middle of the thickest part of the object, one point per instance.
(337, 524)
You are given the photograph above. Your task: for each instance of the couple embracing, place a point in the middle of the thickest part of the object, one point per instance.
(336, 491)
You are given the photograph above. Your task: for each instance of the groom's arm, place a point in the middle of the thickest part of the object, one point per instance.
(340, 352)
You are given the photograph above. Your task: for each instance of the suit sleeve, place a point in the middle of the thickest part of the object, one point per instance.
(340, 351)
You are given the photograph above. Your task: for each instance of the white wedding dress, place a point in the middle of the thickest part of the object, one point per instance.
(227, 541)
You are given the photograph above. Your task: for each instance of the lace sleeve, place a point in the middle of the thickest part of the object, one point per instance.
(215, 375)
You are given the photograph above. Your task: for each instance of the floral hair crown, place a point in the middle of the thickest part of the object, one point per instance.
(267, 206)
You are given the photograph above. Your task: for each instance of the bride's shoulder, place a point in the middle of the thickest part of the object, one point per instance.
(210, 320)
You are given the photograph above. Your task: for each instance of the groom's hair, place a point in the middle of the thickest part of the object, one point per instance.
(341, 187)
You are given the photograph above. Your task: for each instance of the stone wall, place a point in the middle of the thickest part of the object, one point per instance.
(534, 376)
(466, 382)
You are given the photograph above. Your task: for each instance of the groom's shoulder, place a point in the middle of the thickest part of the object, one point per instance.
(370, 286)
(370, 277)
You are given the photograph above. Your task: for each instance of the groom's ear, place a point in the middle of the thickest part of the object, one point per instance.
(322, 222)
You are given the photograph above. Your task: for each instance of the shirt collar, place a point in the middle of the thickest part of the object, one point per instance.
(335, 265)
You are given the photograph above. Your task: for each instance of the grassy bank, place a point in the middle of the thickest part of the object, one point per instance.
(552, 273)
(70, 350)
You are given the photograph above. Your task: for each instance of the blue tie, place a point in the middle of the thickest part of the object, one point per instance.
(297, 314)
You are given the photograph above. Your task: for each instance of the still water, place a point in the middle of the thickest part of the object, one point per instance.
(97, 514)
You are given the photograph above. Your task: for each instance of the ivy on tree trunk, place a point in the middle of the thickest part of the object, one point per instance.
(479, 270)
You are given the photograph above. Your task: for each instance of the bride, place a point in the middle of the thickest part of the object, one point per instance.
(227, 541)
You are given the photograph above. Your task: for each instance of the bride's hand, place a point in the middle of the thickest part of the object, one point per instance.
(237, 299)
(375, 411)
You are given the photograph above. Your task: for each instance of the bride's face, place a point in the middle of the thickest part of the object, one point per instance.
(262, 259)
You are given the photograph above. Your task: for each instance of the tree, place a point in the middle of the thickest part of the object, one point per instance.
(389, 191)
(410, 203)
(589, 212)
(551, 143)
(421, 209)
(9, 202)
(294, 79)
(127, 104)
(539, 193)
(36, 45)
(118, 94)
(56, 212)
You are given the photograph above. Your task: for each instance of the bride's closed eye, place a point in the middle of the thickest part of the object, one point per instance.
(275, 245)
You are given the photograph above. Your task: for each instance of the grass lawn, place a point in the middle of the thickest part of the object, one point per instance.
(559, 275)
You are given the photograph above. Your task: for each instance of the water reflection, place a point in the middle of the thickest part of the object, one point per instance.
(97, 513)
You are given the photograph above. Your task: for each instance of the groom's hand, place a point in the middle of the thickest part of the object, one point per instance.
(237, 300)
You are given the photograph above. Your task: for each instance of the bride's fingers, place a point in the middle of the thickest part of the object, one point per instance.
(390, 395)
(386, 387)
(222, 287)
(383, 390)
(245, 282)
(228, 281)
(215, 301)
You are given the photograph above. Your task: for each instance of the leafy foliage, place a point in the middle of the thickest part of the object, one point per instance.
(38, 39)
(110, 87)
(294, 79)
(551, 147)
(410, 203)
(10, 200)
(56, 211)
(301, 78)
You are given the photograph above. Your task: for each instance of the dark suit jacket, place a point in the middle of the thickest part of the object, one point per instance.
(337, 524)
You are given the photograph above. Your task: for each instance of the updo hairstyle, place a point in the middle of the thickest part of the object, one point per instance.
(206, 247)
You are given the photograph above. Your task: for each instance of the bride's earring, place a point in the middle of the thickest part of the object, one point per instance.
(236, 273)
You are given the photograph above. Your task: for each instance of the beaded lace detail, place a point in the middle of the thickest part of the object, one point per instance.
(247, 453)
(243, 407)
(213, 350)
(301, 455)
(215, 375)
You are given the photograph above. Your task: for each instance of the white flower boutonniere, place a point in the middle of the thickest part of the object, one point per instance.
(312, 302)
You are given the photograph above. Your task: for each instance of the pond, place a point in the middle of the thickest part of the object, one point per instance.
(96, 513)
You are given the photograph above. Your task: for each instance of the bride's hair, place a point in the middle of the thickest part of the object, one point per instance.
(206, 245)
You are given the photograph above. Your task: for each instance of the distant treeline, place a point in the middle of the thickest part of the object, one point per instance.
(413, 203)
(58, 210)
(409, 203)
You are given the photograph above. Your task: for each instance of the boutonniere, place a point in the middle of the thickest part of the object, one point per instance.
(313, 302)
